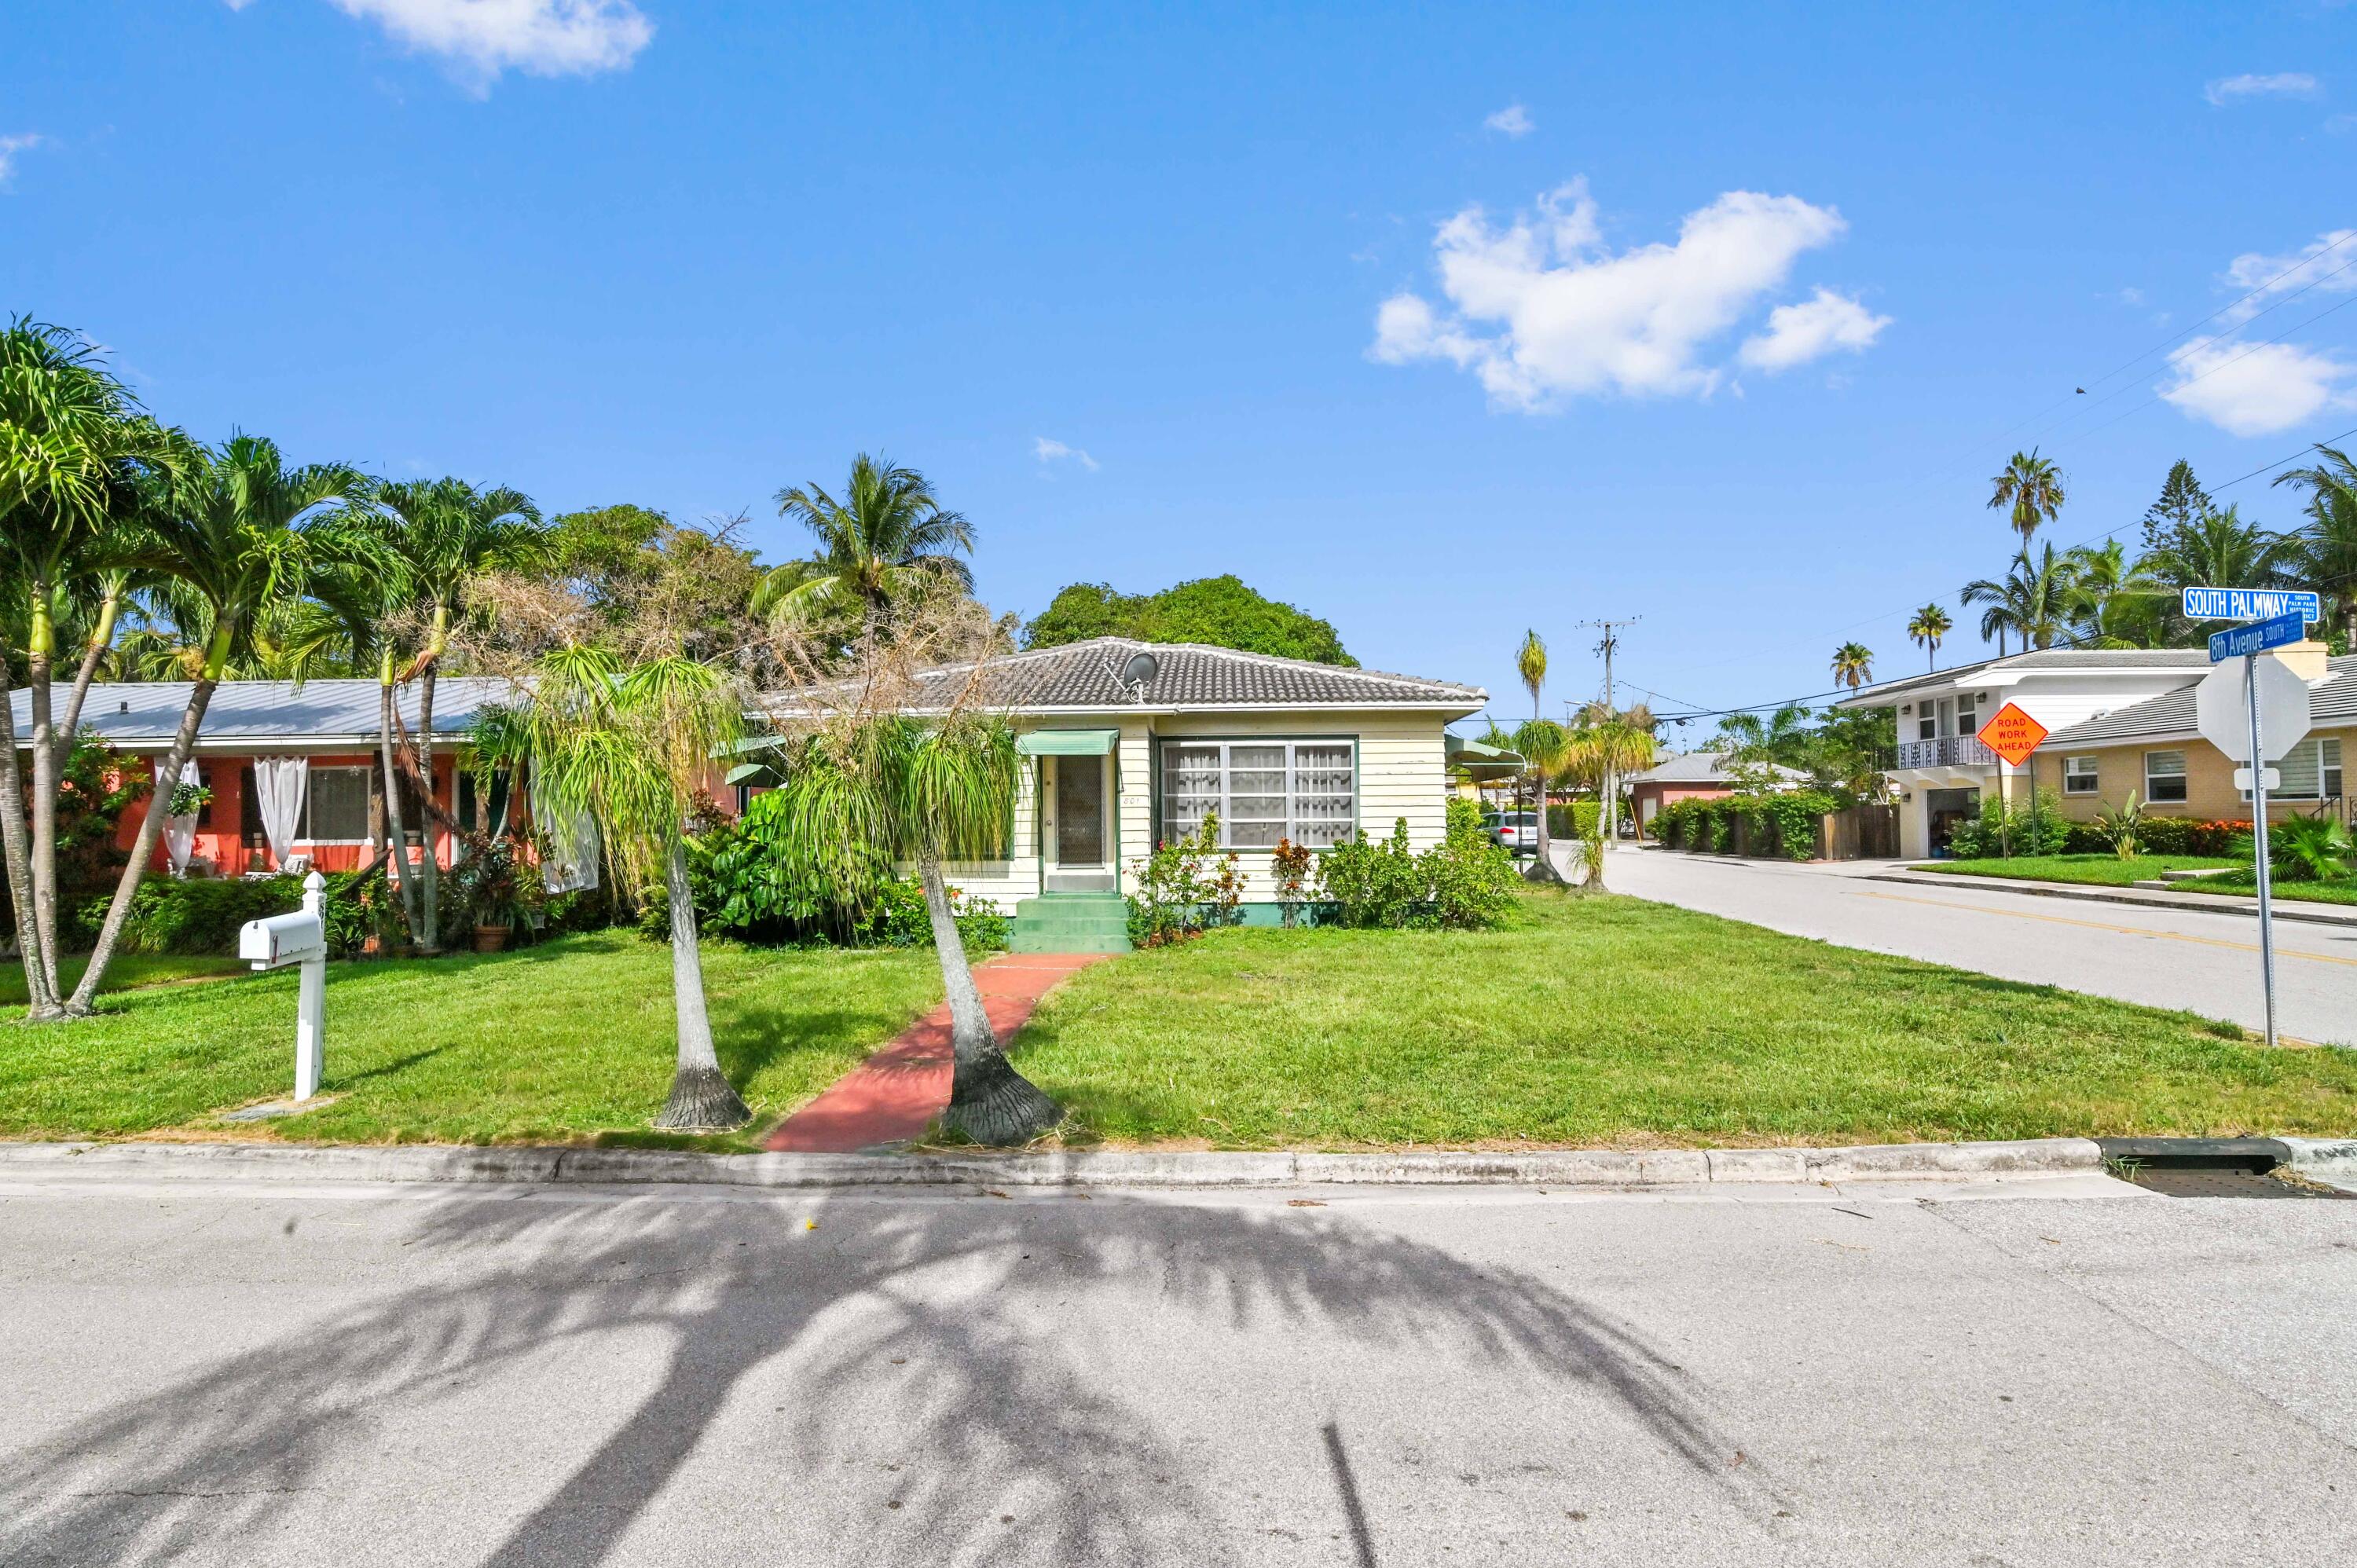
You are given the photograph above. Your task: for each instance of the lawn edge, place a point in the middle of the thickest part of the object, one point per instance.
(2315, 911)
(1084, 1169)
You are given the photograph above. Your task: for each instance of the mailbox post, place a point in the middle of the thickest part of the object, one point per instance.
(298, 938)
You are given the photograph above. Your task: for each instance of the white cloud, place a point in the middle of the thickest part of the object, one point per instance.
(1799, 333)
(2325, 264)
(10, 146)
(1573, 319)
(543, 37)
(237, 5)
(2131, 295)
(2248, 391)
(1049, 451)
(2284, 84)
(1513, 120)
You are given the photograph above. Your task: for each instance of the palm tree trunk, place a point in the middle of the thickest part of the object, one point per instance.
(101, 638)
(143, 849)
(700, 1093)
(429, 879)
(1544, 869)
(989, 1101)
(40, 660)
(41, 1000)
(400, 846)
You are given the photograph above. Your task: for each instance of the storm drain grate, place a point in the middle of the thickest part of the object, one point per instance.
(2221, 1184)
(2209, 1167)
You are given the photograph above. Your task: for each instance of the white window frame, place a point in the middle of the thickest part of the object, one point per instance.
(2078, 780)
(311, 795)
(2181, 778)
(1166, 827)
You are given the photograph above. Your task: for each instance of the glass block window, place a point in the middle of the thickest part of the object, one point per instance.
(1263, 791)
(2077, 776)
(2164, 776)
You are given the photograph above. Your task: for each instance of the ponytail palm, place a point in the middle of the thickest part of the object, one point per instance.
(628, 746)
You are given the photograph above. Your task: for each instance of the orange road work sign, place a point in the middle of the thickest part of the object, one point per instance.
(2012, 734)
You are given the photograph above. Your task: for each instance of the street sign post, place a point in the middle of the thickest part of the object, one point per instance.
(2254, 716)
(2251, 604)
(2256, 637)
(2013, 735)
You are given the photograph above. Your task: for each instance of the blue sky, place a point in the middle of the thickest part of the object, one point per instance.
(1440, 326)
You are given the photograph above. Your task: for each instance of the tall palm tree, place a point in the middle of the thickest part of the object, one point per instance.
(1531, 664)
(2032, 601)
(1929, 625)
(2031, 487)
(628, 746)
(72, 445)
(2324, 552)
(2111, 602)
(450, 536)
(1601, 747)
(1853, 665)
(887, 538)
(1543, 744)
(2220, 551)
(1784, 738)
(244, 534)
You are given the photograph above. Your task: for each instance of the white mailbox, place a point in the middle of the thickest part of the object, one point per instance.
(301, 937)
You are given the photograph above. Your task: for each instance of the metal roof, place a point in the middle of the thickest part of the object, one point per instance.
(2331, 702)
(143, 715)
(1086, 676)
(2081, 660)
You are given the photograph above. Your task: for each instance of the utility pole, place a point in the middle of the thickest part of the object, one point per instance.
(1609, 808)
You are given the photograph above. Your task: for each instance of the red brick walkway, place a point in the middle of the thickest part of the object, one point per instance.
(895, 1094)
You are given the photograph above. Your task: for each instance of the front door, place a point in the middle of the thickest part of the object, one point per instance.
(1079, 812)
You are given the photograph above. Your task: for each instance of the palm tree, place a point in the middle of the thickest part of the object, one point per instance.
(72, 445)
(2032, 601)
(629, 745)
(1531, 664)
(2111, 602)
(2032, 487)
(1599, 748)
(1853, 665)
(1929, 625)
(888, 538)
(1784, 738)
(2324, 552)
(2220, 551)
(1543, 744)
(450, 536)
(245, 535)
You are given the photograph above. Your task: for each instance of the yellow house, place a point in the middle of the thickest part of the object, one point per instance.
(2152, 749)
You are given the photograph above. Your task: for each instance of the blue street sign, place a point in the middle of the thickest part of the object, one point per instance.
(2251, 604)
(2256, 637)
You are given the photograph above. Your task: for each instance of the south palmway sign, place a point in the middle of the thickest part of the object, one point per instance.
(2012, 734)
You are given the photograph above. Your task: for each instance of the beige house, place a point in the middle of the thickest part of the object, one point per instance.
(2152, 749)
(1130, 744)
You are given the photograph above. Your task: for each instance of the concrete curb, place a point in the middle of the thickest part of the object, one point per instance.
(2326, 1156)
(566, 1166)
(2199, 903)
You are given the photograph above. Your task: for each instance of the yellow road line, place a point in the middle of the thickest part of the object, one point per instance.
(2281, 952)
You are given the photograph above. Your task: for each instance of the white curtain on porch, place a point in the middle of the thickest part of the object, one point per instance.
(572, 862)
(278, 783)
(179, 833)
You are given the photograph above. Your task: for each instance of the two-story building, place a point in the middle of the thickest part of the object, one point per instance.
(1941, 770)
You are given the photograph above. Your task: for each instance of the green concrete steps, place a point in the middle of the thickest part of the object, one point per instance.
(1071, 922)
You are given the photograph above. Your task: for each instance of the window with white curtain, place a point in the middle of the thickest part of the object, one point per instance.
(335, 806)
(2310, 770)
(1263, 791)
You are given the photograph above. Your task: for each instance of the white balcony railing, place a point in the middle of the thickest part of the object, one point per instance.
(1947, 751)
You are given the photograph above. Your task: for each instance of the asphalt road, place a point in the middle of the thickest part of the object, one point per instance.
(2166, 958)
(261, 1376)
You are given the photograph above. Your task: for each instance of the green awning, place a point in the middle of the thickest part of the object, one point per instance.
(1067, 742)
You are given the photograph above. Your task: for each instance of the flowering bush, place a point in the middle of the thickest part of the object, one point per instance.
(1185, 887)
(1289, 866)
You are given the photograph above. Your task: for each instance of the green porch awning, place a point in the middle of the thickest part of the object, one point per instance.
(1067, 742)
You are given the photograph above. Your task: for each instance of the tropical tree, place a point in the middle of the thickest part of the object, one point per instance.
(2111, 602)
(1853, 665)
(1544, 745)
(2322, 552)
(629, 745)
(2030, 488)
(2220, 551)
(2183, 503)
(449, 535)
(1602, 746)
(2032, 601)
(887, 537)
(242, 535)
(1531, 664)
(72, 445)
(1929, 625)
(1782, 737)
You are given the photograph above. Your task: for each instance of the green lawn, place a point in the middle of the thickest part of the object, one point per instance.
(1611, 1021)
(2247, 886)
(2104, 870)
(126, 972)
(558, 1043)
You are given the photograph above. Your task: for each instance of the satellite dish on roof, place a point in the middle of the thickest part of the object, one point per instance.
(1141, 668)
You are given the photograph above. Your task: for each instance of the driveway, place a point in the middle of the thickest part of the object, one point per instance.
(202, 1375)
(2166, 958)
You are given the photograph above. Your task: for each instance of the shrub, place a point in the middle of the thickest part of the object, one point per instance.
(1465, 881)
(2037, 826)
(1785, 820)
(2119, 827)
(197, 917)
(1289, 866)
(2310, 849)
(1576, 821)
(898, 919)
(1186, 885)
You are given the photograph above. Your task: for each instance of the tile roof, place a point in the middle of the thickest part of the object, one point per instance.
(1085, 675)
(2080, 658)
(1698, 767)
(2331, 702)
(143, 715)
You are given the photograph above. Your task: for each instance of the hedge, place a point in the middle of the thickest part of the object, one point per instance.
(1786, 820)
(1576, 821)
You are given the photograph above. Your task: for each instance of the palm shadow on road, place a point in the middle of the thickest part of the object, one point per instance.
(918, 1298)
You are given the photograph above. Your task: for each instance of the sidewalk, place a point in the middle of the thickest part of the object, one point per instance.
(2149, 897)
(893, 1095)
